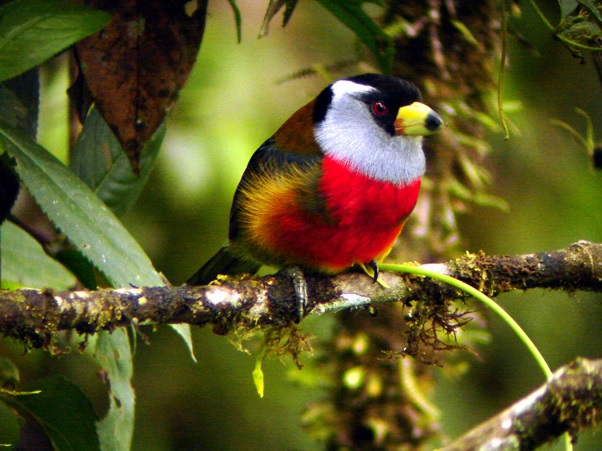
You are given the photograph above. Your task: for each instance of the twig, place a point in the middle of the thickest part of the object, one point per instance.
(35, 316)
(569, 402)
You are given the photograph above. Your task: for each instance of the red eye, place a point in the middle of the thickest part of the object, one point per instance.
(379, 108)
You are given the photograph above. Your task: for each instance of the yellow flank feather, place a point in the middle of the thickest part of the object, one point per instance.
(267, 196)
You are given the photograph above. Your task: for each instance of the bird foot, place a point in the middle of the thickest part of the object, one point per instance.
(300, 284)
(371, 269)
(374, 266)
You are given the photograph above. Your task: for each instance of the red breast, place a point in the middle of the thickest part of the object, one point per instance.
(363, 218)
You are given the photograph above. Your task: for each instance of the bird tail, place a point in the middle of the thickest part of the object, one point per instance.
(224, 262)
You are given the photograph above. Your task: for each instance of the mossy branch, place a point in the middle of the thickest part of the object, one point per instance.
(569, 402)
(36, 316)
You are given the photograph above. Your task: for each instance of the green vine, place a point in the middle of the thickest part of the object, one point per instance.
(492, 305)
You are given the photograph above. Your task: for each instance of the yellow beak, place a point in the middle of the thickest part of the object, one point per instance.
(417, 119)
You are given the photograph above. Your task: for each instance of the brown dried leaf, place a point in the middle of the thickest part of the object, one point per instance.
(135, 67)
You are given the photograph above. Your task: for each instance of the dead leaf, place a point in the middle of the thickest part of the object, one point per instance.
(135, 67)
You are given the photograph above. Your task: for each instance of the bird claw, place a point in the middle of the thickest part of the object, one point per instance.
(371, 270)
(373, 264)
(300, 284)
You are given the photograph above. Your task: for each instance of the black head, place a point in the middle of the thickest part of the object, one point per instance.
(384, 101)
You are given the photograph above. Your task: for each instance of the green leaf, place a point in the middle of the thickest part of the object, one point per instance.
(567, 7)
(88, 224)
(64, 412)
(593, 10)
(273, 7)
(183, 330)
(32, 31)
(114, 354)
(466, 33)
(351, 14)
(24, 262)
(99, 161)
(9, 374)
(12, 110)
(81, 267)
(19, 101)
(258, 378)
(237, 19)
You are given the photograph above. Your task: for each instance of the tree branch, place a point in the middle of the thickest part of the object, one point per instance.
(569, 402)
(35, 316)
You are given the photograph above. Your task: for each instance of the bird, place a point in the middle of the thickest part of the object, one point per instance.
(333, 187)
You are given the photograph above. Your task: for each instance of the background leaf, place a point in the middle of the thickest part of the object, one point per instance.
(351, 14)
(114, 354)
(94, 230)
(99, 160)
(79, 265)
(9, 374)
(24, 262)
(237, 19)
(79, 214)
(593, 10)
(32, 31)
(62, 410)
(19, 101)
(567, 7)
(19, 98)
(135, 68)
(273, 7)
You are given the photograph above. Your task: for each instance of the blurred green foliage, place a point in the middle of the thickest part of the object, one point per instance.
(229, 106)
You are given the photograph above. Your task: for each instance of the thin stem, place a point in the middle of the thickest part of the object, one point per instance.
(497, 309)
(485, 300)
